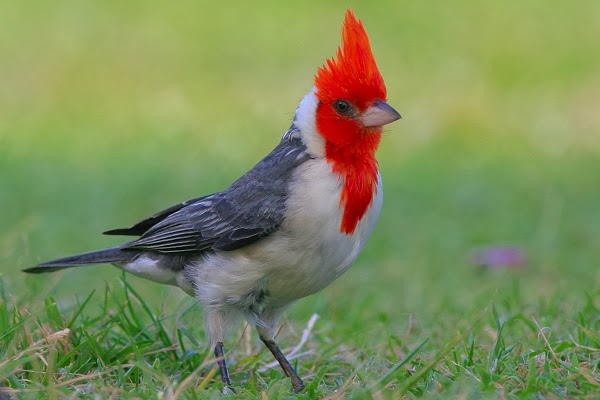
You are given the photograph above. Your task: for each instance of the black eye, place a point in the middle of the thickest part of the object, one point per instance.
(342, 107)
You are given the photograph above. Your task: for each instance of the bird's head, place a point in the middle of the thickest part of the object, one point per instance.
(352, 94)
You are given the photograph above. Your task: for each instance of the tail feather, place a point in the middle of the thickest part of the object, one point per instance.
(104, 256)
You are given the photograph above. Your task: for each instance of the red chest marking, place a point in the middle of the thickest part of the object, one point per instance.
(358, 169)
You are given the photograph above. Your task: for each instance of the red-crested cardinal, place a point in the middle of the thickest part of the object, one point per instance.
(287, 228)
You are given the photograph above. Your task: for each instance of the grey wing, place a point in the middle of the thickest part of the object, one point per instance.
(214, 223)
(251, 208)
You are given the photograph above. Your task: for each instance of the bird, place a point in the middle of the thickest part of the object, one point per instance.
(287, 228)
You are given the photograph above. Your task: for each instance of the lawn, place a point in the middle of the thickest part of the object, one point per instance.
(110, 111)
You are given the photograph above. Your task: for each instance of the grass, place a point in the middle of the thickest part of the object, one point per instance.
(112, 111)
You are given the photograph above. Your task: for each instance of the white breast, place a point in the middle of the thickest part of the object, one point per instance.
(318, 251)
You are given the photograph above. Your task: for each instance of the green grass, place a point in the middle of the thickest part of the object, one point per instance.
(110, 111)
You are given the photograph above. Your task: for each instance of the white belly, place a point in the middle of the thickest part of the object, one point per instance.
(306, 254)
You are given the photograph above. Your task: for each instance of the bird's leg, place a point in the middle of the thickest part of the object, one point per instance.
(297, 383)
(223, 366)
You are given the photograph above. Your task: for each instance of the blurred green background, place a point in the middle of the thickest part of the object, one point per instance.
(112, 110)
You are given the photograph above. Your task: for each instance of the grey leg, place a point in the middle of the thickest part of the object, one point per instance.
(223, 366)
(297, 383)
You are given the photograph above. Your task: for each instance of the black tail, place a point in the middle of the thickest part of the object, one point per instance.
(104, 256)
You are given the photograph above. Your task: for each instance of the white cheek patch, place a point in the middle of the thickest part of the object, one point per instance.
(305, 121)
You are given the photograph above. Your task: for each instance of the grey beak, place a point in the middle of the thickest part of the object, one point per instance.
(379, 114)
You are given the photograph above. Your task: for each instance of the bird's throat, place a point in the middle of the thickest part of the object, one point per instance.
(357, 167)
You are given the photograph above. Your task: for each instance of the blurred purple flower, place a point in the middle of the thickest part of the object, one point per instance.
(499, 257)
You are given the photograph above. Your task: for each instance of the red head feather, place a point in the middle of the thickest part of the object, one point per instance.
(350, 147)
(354, 74)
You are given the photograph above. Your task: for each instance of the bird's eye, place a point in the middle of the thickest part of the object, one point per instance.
(342, 107)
